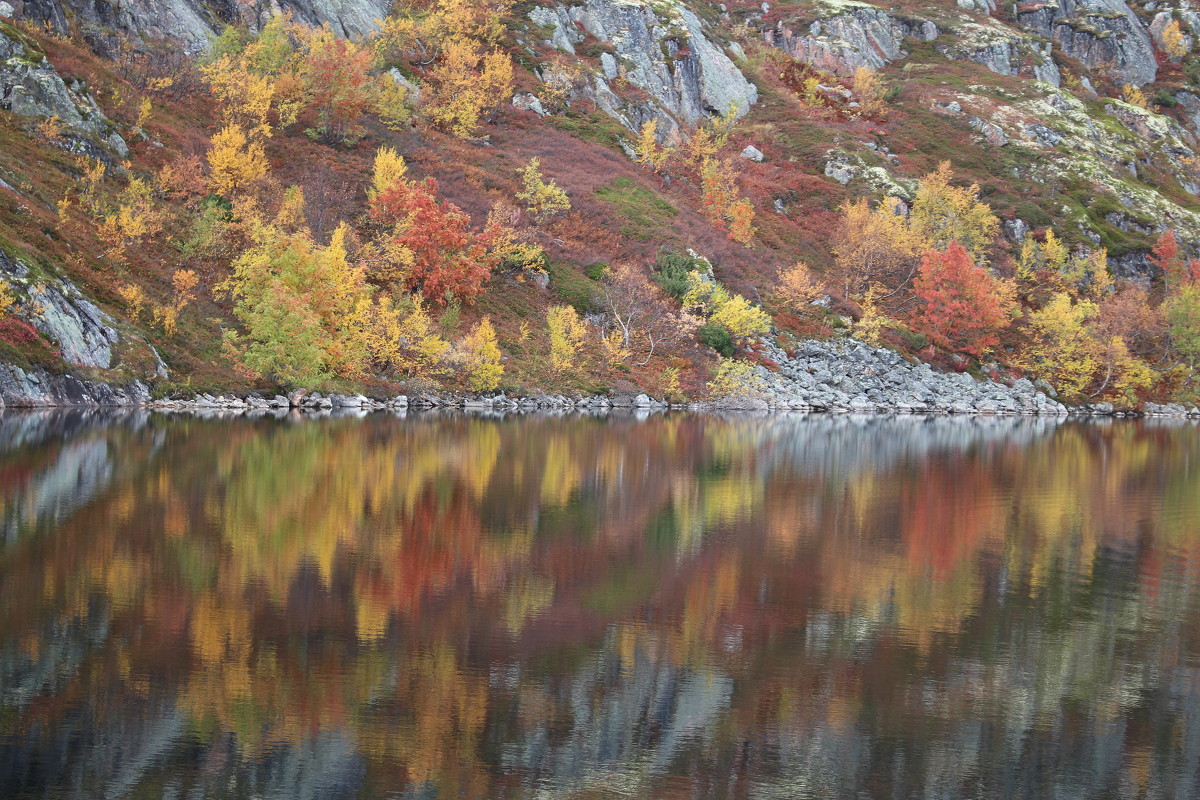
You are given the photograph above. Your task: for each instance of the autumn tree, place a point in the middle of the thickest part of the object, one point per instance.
(183, 285)
(236, 162)
(337, 82)
(722, 202)
(135, 218)
(431, 243)
(543, 199)
(649, 151)
(1182, 313)
(869, 91)
(303, 307)
(964, 306)
(874, 245)
(249, 79)
(567, 335)
(736, 383)
(943, 213)
(467, 83)
(480, 357)
(1174, 43)
(1061, 348)
(798, 287)
(389, 168)
(641, 314)
(1176, 268)
(1135, 96)
(733, 312)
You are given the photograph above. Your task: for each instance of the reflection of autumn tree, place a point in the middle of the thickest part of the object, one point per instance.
(429, 587)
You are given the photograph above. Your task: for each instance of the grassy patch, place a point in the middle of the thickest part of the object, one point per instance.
(645, 213)
(601, 130)
(571, 286)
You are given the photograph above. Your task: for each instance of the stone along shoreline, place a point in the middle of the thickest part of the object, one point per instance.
(835, 376)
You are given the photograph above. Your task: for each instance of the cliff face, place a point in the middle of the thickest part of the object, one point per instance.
(194, 22)
(661, 48)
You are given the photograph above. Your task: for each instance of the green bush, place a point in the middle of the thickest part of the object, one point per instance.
(671, 272)
(1165, 99)
(717, 337)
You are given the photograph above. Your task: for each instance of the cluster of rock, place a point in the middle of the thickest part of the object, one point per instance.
(1104, 35)
(1169, 410)
(851, 376)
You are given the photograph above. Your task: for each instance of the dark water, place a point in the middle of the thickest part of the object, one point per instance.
(574, 608)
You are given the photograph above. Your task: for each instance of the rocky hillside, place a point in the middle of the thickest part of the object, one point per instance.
(732, 137)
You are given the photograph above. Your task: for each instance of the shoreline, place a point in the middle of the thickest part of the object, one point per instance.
(842, 376)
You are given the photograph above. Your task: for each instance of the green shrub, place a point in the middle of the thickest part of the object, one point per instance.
(717, 337)
(671, 272)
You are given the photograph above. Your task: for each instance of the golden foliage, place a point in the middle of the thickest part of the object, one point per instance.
(480, 355)
(869, 90)
(467, 84)
(736, 382)
(389, 168)
(798, 287)
(567, 334)
(1135, 96)
(942, 213)
(236, 162)
(543, 199)
(874, 245)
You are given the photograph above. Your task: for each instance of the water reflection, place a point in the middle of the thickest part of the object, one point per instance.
(447, 606)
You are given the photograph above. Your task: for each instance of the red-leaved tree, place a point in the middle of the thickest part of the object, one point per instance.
(964, 307)
(1176, 267)
(449, 261)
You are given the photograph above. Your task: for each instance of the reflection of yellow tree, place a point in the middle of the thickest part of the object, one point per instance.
(426, 528)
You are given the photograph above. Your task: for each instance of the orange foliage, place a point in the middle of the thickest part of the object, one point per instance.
(965, 306)
(449, 260)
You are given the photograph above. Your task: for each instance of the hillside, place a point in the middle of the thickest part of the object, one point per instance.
(608, 195)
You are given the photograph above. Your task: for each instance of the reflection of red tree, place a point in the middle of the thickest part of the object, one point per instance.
(948, 513)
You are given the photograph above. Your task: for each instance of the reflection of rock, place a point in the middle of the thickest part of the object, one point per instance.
(78, 470)
(628, 714)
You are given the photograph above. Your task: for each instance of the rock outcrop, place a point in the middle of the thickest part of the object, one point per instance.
(1104, 35)
(30, 87)
(37, 388)
(661, 48)
(1002, 51)
(85, 335)
(194, 22)
(859, 35)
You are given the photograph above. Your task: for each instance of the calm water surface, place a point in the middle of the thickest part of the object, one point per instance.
(675, 607)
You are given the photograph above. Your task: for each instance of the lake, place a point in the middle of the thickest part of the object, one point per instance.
(439, 606)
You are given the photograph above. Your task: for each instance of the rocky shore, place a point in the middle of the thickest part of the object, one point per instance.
(835, 376)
